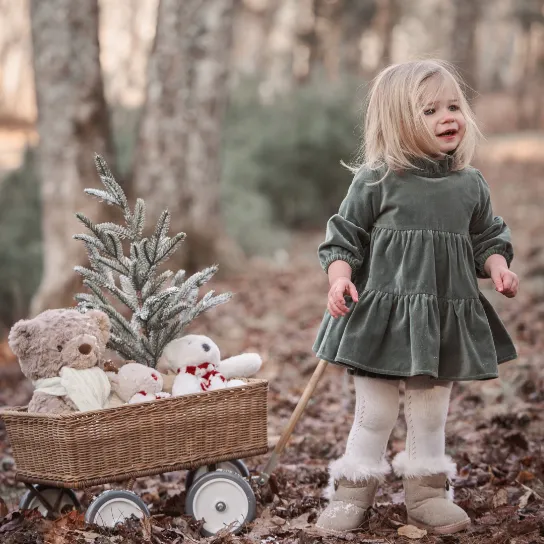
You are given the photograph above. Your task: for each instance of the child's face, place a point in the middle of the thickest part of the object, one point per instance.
(442, 114)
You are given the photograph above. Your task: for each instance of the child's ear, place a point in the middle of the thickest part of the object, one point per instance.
(20, 337)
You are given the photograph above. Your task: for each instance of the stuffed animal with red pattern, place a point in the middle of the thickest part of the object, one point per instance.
(196, 362)
(133, 383)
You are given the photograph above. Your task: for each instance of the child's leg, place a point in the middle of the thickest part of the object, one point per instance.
(426, 406)
(424, 466)
(355, 476)
(376, 412)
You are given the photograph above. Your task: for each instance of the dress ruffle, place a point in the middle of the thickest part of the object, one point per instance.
(416, 334)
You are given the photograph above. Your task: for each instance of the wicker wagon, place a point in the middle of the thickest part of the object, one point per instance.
(207, 433)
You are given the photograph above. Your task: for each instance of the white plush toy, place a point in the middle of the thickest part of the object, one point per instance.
(134, 383)
(196, 362)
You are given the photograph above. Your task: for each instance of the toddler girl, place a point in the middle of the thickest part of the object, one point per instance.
(412, 236)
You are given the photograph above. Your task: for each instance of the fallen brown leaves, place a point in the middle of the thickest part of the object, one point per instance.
(495, 429)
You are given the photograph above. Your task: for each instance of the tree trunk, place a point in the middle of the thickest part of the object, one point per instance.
(253, 22)
(73, 124)
(177, 160)
(387, 16)
(17, 102)
(280, 50)
(463, 45)
(330, 32)
(356, 17)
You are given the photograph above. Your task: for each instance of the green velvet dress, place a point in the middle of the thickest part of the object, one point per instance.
(416, 242)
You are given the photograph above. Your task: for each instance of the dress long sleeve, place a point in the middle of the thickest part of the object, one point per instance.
(489, 233)
(348, 231)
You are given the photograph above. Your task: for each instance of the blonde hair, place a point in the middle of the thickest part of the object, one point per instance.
(395, 131)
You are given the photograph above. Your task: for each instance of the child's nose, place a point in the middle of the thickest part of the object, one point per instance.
(448, 117)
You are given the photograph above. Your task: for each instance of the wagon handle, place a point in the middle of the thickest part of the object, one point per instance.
(270, 466)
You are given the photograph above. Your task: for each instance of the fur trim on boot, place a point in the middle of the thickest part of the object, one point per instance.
(408, 468)
(354, 469)
(429, 494)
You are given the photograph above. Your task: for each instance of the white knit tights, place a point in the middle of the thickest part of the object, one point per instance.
(376, 410)
(426, 408)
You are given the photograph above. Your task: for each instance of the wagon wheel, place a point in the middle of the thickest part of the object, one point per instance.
(115, 506)
(223, 500)
(58, 498)
(233, 465)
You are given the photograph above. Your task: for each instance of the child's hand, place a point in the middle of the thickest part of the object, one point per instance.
(506, 282)
(336, 304)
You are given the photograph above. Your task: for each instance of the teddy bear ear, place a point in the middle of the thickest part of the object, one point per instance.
(20, 337)
(103, 322)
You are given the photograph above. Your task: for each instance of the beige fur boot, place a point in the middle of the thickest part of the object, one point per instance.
(351, 491)
(429, 494)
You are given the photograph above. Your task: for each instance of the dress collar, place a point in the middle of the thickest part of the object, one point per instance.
(431, 168)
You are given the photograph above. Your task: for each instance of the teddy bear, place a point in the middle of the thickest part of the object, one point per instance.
(134, 382)
(195, 361)
(60, 351)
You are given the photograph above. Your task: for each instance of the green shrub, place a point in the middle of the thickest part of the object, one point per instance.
(281, 167)
(20, 240)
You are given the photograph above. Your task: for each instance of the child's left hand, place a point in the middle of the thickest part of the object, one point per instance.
(506, 282)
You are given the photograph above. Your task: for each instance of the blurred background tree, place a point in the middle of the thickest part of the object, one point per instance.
(234, 114)
(72, 120)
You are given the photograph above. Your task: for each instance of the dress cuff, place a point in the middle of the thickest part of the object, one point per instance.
(481, 273)
(352, 261)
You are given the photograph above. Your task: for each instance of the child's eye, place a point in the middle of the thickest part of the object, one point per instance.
(430, 111)
(454, 107)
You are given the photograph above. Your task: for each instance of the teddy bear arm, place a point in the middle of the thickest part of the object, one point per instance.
(241, 366)
(42, 403)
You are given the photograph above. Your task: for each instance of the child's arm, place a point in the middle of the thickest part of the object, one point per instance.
(491, 243)
(348, 231)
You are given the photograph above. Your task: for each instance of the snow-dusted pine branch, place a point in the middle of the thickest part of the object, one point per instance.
(157, 306)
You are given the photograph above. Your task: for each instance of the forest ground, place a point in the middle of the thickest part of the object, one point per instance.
(495, 428)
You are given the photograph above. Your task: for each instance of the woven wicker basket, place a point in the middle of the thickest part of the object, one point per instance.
(90, 448)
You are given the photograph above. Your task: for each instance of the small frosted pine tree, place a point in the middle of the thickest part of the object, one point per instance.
(161, 305)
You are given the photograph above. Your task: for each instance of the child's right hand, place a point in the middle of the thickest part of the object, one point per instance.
(336, 303)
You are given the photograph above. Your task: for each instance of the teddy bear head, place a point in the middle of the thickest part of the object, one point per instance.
(58, 338)
(134, 378)
(189, 350)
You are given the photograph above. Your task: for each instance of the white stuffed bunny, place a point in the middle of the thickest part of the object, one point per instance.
(196, 362)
